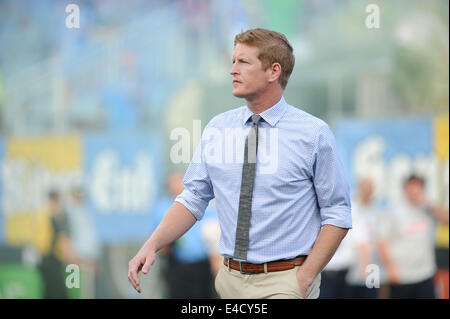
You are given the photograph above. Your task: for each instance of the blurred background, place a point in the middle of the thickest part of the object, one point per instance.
(86, 116)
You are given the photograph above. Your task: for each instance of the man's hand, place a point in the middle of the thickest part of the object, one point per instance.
(145, 258)
(325, 246)
(304, 282)
(175, 223)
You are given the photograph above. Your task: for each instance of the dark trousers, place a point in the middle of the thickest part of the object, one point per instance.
(333, 285)
(189, 280)
(53, 277)
(362, 292)
(420, 290)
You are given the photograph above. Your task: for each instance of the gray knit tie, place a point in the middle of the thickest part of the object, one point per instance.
(245, 200)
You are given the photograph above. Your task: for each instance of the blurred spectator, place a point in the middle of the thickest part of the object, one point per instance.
(210, 230)
(85, 242)
(189, 270)
(363, 239)
(409, 254)
(53, 264)
(334, 284)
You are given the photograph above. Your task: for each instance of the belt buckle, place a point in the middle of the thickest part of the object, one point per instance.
(240, 267)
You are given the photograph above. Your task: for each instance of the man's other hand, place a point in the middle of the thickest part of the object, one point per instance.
(143, 260)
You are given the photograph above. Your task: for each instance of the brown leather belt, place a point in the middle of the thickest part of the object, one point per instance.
(279, 265)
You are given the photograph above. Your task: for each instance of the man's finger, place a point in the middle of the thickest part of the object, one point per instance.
(130, 279)
(146, 266)
(135, 285)
(133, 277)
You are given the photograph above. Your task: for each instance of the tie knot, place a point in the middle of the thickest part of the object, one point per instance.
(256, 118)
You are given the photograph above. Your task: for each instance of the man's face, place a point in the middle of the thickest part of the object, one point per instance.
(54, 205)
(247, 73)
(415, 192)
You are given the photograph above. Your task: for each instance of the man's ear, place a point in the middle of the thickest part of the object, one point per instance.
(275, 72)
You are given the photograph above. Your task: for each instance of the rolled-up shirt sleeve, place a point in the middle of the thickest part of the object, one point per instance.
(198, 190)
(330, 181)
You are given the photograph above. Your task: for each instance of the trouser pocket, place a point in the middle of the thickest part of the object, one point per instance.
(217, 281)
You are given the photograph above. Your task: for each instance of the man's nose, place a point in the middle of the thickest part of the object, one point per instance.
(233, 70)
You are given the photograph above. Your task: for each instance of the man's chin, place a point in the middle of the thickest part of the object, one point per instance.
(239, 94)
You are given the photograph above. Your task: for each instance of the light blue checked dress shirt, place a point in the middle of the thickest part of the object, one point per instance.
(300, 183)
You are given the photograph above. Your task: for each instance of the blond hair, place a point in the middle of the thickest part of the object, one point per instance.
(273, 47)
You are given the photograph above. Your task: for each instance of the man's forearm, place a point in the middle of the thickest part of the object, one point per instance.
(175, 223)
(324, 248)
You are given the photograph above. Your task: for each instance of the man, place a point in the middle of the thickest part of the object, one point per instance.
(271, 218)
(409, 240)
(60, 252)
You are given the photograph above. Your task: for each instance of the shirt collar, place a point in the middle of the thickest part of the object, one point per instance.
(272, 115)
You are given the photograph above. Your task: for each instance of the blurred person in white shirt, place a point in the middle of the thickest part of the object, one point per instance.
(334, 284)
(85, 241)
(409, 250)
(364, 237)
